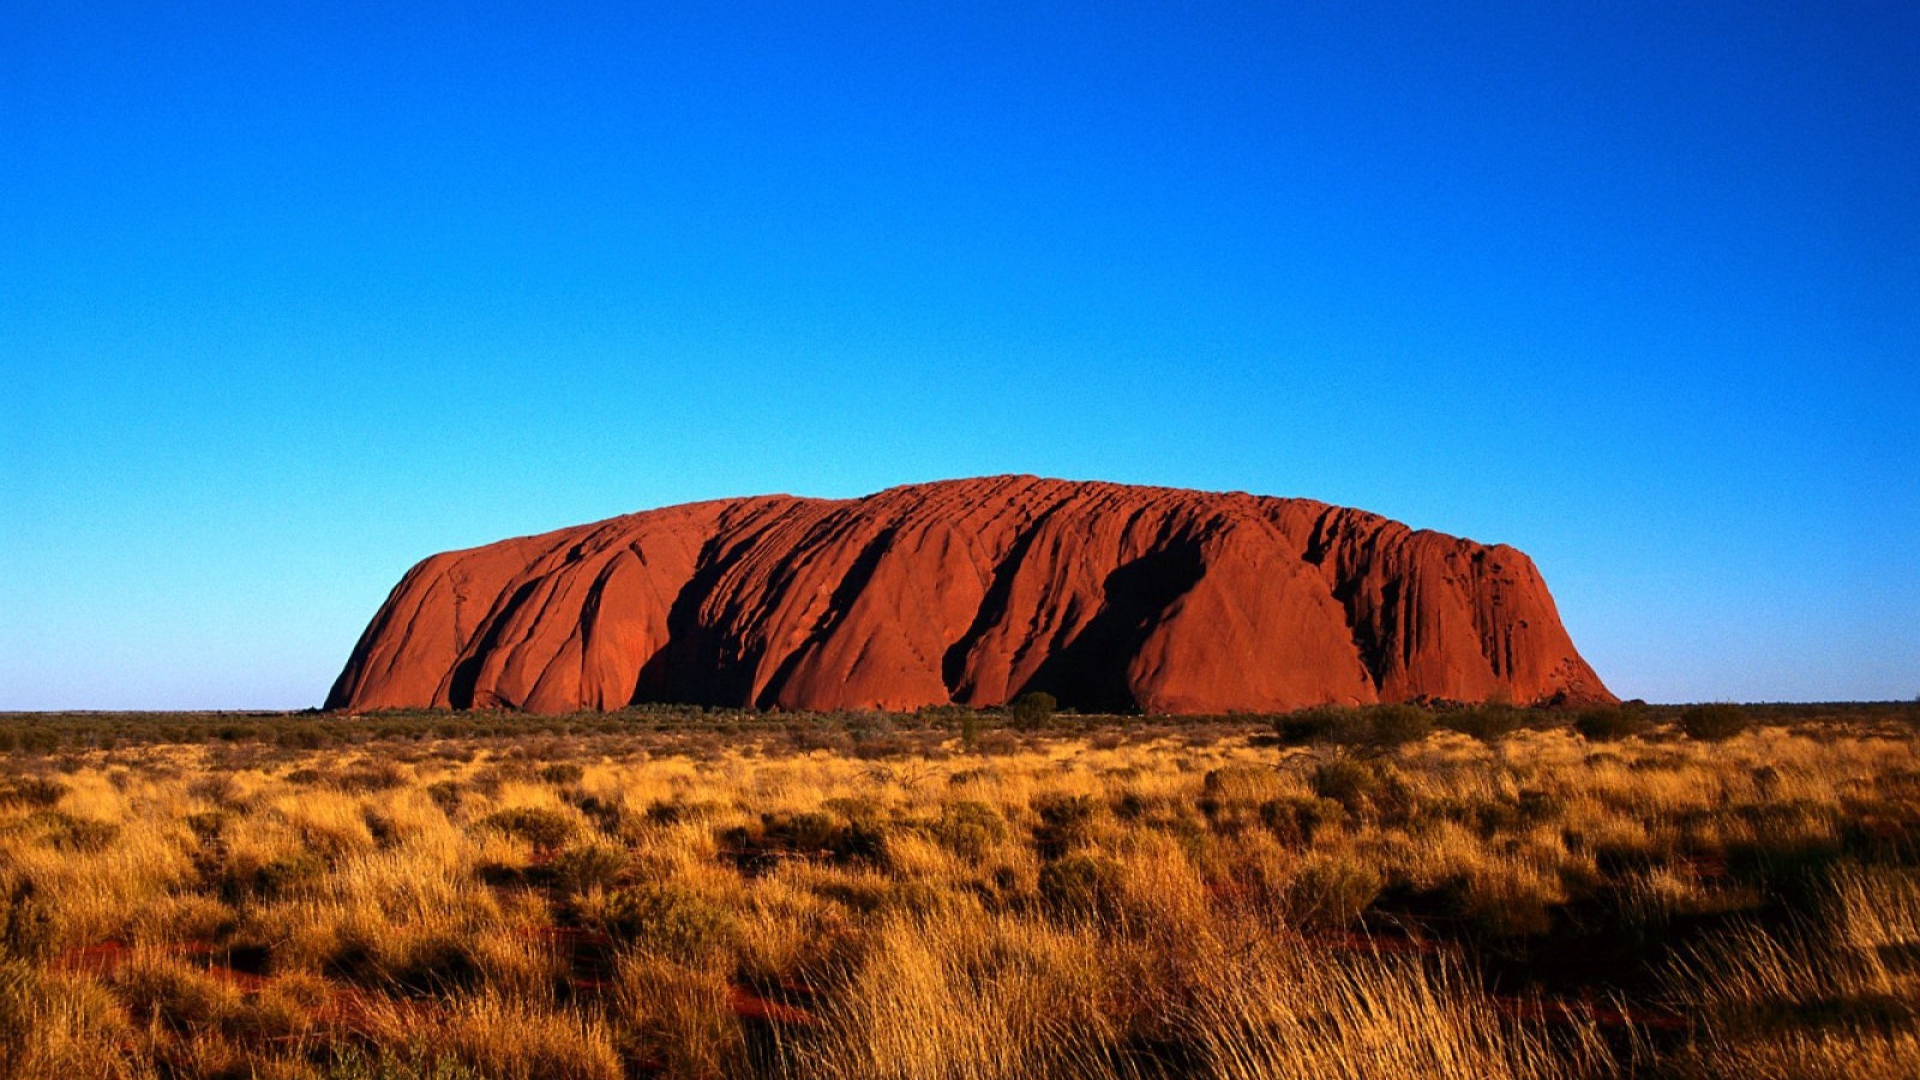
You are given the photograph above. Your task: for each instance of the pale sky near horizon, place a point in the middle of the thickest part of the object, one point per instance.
(293, 295)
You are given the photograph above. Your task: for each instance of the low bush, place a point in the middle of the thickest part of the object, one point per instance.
(1066, 821)
(668, 920)
(446, 794)
(283, 876)
(1610, 724)
(590, 866)
(970, 828)
(164, 992)
(1032, 709)
(1714, 723)
(808, 834)
(1081, 886)
(1304, 726)
(436, 965)
(33, 790)
(304, 736)
(540, 826)
(1376, 728)
(371, 776)
(1331, 892)
(1346, 782)
(81, 834)
(1390, 726)
(1296, 822)
(1487, 723)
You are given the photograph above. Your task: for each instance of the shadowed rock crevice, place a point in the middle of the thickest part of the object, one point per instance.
(1090, 673)
(465, 674)
(1109, 597)
(838, 604)
(993, 609)
(693, 668)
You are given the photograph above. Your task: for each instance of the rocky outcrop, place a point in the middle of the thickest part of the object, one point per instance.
(1110, 597)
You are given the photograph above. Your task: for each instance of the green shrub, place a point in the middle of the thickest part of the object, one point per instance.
(970, 828)
(670, 920)
(970, 730)
(805, 831)
(82, 834)
(302, 737)
(446, 794)
(1487, 723)
(865, 841)
(590, 866)
(1375, 728)
(808, 833)
(38, 742)
(1346, 782)
(1033, 708)
(1081, 886)
(540, 826)
(1610, 724)
(862, 837)
(1065, 821)
(1318, 724)
(608, 815)
(1390, 726)
(276, 879)
(1295, 822)
(37, 791)
(1332, 892)
(371, 776)
(436, 965)
(1714, 723)
(216, 788)
(1062, 811)
(209, 825)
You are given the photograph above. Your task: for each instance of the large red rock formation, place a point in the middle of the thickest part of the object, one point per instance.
(1110, 597)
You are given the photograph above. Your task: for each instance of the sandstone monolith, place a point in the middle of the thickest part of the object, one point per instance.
(1110, 597)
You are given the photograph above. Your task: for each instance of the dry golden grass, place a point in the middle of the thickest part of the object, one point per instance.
(1096, 905)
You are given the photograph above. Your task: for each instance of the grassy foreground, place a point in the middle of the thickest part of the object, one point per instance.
(1327, 895)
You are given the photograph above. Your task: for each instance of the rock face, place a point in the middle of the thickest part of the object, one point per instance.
(1110, 597)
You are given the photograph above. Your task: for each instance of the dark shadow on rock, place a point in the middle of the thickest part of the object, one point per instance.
(851, 585)
(993, 606)
(1090, 672)
(467, 672)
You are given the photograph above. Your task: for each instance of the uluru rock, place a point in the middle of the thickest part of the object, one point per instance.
(1110, 597)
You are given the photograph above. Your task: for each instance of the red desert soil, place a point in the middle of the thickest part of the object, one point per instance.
(1112, 598)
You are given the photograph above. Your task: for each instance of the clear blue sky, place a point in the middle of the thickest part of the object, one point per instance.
(292, 295)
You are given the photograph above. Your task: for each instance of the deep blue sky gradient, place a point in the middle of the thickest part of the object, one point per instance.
(293, 295)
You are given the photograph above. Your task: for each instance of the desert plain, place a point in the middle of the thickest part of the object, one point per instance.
(1391, 891)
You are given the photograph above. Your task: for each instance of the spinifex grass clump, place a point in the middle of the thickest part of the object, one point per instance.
(1476, 891)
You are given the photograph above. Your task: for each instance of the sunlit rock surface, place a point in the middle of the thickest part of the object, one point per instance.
(1110, 597)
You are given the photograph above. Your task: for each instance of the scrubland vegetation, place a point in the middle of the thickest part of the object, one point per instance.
(1393, 892)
